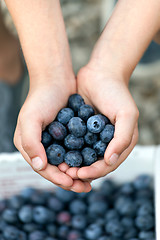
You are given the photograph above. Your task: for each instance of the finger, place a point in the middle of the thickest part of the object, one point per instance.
(31, 130)
(124, 130)
(100, 168)
(63, 167)
(72, 172)
(51, 173)
(79, 186)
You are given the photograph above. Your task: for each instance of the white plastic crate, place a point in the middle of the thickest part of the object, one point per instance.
(16, 174)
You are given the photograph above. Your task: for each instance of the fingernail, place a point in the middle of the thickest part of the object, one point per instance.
(37, 163)
(113, 159)
(73, 190)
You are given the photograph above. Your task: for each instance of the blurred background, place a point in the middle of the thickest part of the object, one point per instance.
(85, 20)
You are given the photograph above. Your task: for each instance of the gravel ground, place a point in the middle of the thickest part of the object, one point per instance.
(83, 20)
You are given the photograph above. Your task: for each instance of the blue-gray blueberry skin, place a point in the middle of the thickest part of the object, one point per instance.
(64, 115)
(55, 154)
(75, 102)
(93, 231)
(57, 130)
(89, 156)
(77, 127)
(96, 123)
(100, 148)
(73, 158)
(46, 139)
(107, 134)
(90, 138)
(85, 111)
(73, 143)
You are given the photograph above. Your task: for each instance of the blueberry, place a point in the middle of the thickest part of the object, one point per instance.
(111, 214)
(89, 156)
(130, 233)
(98, 208)
(50, 238)
(95, 124)
(64, 195)
(62, 232)
(107, 134)
(15, 202)
(57, 130)
(93, 231)
(25, 214)
(127, 188)
(55, 154)
(146, 208)
(31, 227)
(127, 222)
(37, 235)
(22, 235)
(90, 138)
(55, 204)
(11, 233)
(79, 221)
(51, 229)
(142, 182)
(85, 111)
(10, 215)
(146, 235)
(75, 102)
(74, 234)
(77, 206)
(64, 217)
(43, 215)
(115, 228)
(73, 143)
(77, 127)
(73, 158)
(107, 187)
(100, 148)
(125, 206)
(64, 115)
(3, 205)
(46, 139)
(26, 193)
(144, 222)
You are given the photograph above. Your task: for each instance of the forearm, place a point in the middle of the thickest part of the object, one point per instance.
(126, 36)
(42, 35)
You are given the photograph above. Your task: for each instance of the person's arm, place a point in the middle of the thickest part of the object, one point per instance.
(103, 82)
(45, 46)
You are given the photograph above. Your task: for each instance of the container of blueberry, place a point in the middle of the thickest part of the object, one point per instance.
(123, 205)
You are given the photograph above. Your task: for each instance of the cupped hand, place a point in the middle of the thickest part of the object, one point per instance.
(108, 93)
(40, 108)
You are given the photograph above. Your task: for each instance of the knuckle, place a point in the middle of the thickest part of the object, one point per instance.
(126, 142)
(27, 145)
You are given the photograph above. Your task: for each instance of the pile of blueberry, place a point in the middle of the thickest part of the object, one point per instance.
(124, 212)
(78, 136)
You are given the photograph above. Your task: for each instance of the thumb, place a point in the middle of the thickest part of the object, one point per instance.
(31, 130)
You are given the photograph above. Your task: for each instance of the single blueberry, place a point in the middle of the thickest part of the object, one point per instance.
(10, 215)
(111, 214)
(62, 231)
(15, 202)
(22, 236)
(77, 206)
(125, 206)
(64, 115)
(115, 228)
(64, 217)
(11, 233)
(25, 214)
(43, 215)
(79, 221)
(85, 111)
(55, 154)
(127, 188)
(130, 233)
(107, 187)
(46, 139)
(146, 235)
(26, 193)
(73, 143)
(145, 209)
(37, 235)
(100, 148)
(98, 208)
(51, 229)
(64, 195)
(31, 227)
(57, 130)
(144, 222)
(3, 205)
(95, 124)
(90, 138)
(75, 102)
(55, 204)
(127, 222)
(77, 127)
(74, 234)
(93, 232)
(107, 133)
(73, 158)
(89, 156)
(50, 238)
(142, 182)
